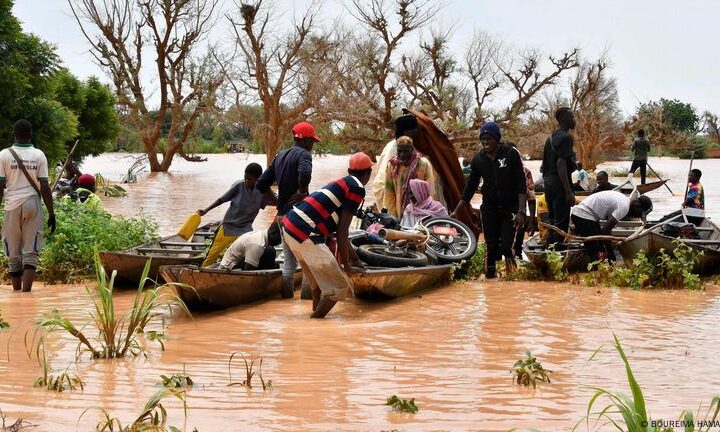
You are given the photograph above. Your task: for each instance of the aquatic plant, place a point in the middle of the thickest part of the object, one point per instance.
(555, 263)
(470, 269)
(3, 324)
(402, 405)
(59, 383)
(667, 271)
(528, 371)
(152, 418)
(177, 380)
(249, 373)
(632, 410)
(16, 426)
(524, 270)
(105, 187)
(118, 334)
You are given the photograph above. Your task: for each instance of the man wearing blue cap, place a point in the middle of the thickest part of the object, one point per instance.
(500, 168)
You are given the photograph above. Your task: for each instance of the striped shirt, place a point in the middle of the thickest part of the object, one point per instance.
(317, 216)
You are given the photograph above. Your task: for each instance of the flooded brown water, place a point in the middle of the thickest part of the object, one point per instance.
(450, 348)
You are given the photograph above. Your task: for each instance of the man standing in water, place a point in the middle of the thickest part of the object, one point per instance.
(504, 195)
(292, 170)
(22, 167)
(325, 212)
(640, 148)
(557, 167)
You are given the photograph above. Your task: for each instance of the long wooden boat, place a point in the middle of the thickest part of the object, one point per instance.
(626, 188)
(170, 250)
(213, 288)
(653, 240)
(384, 283)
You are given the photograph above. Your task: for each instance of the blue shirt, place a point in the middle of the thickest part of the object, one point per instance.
(318, 215)
(289, 169)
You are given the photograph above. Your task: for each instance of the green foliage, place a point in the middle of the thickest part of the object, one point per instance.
(249, 373)
(59, 383)
(528, 371)
(667, 271)
(3, 324)
(469, 269)
(696, 144)
(177, 380)
(524, 270)
(634, 416)
(105, 187)
(555, 262)
(118, 335)
(68, 254)
(402, 405)
(153, 417)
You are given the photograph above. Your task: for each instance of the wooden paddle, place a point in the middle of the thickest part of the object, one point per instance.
(579, 238)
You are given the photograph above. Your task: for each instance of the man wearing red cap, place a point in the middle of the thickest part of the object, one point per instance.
(291, 170)
(85, 193)
(326, 212)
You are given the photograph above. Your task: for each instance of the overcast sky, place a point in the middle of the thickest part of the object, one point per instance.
(657, 48)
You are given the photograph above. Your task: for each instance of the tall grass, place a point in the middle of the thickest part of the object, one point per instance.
(629, 413)
(118, 334)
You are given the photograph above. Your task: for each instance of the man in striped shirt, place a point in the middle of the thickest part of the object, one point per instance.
(325, 212)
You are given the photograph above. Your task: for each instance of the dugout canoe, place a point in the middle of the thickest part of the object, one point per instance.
(574, 258)
(653, 240)
(170, 250)
(626, 188)
(386, 283)
(212, 288)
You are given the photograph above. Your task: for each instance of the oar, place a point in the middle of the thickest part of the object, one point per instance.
(67, 160)
(661, 179)
(578, 238)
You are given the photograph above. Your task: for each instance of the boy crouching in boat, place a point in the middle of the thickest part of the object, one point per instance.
(320, 215)
(245, 203)
(253, 251)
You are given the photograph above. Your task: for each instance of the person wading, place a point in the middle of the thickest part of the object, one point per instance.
(291, 170)
(640, 148)
(22, 167)
(326, 212)
(557, 167)
(504, 195)
(245, 203)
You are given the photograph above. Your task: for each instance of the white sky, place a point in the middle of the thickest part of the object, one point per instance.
(657, 48)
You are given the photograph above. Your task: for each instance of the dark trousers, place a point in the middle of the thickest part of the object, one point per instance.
(499, 232)
(586, 228)
(558, 209)
(642, 164)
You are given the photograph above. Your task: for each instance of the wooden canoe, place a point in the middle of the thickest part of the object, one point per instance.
(213, 288)
(653, 240)
(384, 283)
(170, 250)
(626, 188)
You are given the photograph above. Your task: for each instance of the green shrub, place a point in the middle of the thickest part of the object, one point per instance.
(68, 254)
(668, 271)
(528, 371)
(469, 269)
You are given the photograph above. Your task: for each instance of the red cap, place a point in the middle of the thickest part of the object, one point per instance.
(360, 161)
(304, 130)
(86, 180)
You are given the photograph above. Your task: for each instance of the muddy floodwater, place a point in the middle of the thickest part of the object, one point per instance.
(450, 348)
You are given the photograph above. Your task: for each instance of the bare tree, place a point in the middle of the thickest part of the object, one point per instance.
(481, 67)
(368, 89)
(124, 33)
(283, 72)
(711, 126)
(594, 100)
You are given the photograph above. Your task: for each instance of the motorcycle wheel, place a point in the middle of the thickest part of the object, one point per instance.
(383, 256)
(450, 250)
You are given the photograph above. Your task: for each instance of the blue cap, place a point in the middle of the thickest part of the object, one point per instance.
(491, 128)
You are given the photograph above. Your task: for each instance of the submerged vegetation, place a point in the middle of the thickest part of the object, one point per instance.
(153, 417)
(16, 426)
(629, 413)
(672, 270)
(59, 383)
(3, 324)
(118, 335)
(528, 371)
(177, 380)
(402, 405)
(249, 373)
(470, 269)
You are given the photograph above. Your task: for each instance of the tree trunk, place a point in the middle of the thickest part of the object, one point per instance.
(152, 155)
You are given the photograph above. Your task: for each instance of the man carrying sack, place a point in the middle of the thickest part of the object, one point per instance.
(22, 167)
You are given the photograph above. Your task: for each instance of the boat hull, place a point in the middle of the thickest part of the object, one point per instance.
(574, 260)
(379, 284)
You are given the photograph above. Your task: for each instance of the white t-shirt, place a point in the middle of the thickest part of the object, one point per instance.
(249, 247)
(17, 187)
(601, 205)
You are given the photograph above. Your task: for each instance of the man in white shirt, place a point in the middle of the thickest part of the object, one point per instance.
(253, 251)
(607, 206)
(22, 228)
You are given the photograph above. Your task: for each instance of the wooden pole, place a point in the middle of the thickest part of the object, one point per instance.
(62, 170)
(658, 176)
